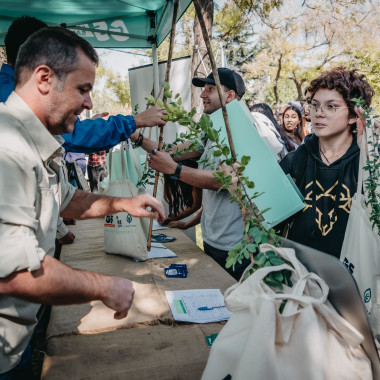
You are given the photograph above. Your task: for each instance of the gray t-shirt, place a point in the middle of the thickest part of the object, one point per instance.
(222, 221)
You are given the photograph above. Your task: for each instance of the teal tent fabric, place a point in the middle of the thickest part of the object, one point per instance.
(104, 23)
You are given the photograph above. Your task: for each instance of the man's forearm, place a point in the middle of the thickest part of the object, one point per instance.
(84, 205)
(55, 284)
(203, 179)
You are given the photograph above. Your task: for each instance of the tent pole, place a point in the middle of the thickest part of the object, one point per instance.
(198, 11)
(156, 78)
(167, 77)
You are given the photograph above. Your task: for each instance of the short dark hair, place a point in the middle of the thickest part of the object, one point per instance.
(20, 29)
(349, 83)
(55, 47)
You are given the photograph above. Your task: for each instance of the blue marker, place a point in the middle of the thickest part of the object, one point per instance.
(209, 307)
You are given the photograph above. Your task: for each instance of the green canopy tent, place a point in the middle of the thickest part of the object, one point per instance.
(104, 23)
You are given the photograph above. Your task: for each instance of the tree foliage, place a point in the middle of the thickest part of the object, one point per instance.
(279, 46)
(111, 92)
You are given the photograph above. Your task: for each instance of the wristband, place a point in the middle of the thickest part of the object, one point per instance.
(140, 139)
(177, 173)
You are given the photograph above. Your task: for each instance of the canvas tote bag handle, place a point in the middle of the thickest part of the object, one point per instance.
(134, 159)
(122, 150)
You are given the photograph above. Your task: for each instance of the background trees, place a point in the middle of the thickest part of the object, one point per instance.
(280, 45)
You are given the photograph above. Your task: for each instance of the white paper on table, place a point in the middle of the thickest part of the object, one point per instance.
(158, 251)
(157, 226)
(184, 305)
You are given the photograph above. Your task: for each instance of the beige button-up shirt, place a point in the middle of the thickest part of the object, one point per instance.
(32, 193)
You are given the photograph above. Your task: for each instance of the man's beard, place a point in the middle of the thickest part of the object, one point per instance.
(59, 124)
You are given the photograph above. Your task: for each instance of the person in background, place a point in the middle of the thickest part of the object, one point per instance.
(221, 221)
(292, 125)
(280, 113)
(96, 169)
(306, 110)
(325, 167)
(267, 111)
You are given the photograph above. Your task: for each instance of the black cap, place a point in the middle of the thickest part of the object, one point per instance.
(229, 78)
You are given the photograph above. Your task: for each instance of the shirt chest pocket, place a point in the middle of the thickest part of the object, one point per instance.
(48, 211)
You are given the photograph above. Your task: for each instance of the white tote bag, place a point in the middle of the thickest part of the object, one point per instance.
(361, 246)
(309, 340)
(124, 234)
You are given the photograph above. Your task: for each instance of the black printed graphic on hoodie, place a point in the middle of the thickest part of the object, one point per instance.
(328, 191)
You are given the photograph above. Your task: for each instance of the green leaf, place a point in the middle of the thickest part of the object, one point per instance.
(261, 261)
(252, 247)
(159, 102)
(150, 99)
(237, 246)
(245, 160)
(273, 283)
(226, 150)
(240, 169)
(276, 261)
(278, 276)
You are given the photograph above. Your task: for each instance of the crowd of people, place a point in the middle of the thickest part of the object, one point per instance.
(46, 85)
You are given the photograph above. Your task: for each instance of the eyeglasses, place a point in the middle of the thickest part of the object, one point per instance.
(327, 109)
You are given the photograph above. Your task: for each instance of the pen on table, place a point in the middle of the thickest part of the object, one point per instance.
(209, 307)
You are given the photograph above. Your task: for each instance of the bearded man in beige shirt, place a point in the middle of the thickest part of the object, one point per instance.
(55, 72)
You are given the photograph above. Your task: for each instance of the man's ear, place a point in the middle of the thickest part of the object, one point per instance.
(231, 95)
(44, 78)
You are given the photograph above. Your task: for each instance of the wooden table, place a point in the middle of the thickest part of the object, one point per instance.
(85, 342)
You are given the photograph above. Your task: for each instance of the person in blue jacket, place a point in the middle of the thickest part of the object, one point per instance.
(91, 135)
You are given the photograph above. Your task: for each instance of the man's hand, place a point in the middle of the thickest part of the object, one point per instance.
(167, 220)
(163, 162)
(232, 171)
(119, 296)
(134, 136)
(151, 117)
(137, 206)
(67, 239)
(177, 224)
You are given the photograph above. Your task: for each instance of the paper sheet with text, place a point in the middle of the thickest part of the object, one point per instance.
(185, 305)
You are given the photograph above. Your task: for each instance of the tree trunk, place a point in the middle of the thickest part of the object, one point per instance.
(298, 86)
(275, 84)
(197, 67)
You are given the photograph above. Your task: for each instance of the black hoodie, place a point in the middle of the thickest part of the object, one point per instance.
(322, 223)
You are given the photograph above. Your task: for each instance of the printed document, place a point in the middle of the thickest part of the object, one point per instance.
(198, 305)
